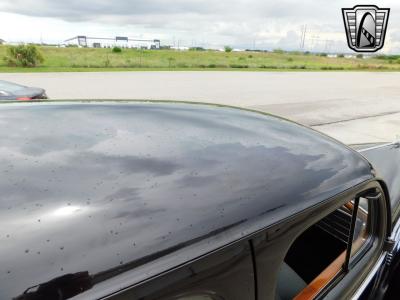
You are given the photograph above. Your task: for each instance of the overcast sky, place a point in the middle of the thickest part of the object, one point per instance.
(263, 24)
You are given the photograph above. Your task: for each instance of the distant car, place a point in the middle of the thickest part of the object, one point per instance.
(13, 91)
(168, 201)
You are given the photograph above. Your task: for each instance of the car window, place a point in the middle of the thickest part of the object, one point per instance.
(323, 251)
(10, 87)
(361, 228)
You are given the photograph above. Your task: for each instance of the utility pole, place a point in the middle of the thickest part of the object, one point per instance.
(303, 36)
(314, 41)
(328, 44)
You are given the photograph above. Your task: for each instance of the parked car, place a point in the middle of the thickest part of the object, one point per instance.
(13, 91)
(147, 200)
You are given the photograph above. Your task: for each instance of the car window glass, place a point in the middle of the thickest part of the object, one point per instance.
(361, 228)
(10, 87)
(320, 253)
(317, 252)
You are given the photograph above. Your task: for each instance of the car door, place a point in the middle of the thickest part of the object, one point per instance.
(327, 251)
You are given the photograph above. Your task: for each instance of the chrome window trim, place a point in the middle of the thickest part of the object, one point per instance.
(368, 242)
(378, 146)
(369, 278)
(396, 237)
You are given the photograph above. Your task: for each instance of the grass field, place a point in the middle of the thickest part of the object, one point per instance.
(90, 59)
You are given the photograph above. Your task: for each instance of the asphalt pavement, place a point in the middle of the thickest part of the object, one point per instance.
(354, 107)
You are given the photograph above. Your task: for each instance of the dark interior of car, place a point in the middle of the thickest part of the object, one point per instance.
(312, 252)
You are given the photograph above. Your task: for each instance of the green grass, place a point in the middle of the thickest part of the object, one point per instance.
(92, 60)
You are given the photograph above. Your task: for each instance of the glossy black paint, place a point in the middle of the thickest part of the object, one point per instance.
(386, 161)
(225, 274)
(125, 191)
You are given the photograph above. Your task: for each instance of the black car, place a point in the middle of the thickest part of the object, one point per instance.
(147, 200)
(13, 91)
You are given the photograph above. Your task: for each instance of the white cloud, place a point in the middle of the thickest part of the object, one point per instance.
(240, 23)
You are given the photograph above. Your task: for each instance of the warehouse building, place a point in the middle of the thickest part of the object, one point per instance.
(118, 41)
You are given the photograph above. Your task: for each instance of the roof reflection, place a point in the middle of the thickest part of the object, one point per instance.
(131, 181)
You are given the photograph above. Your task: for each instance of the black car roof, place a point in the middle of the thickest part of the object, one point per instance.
(107, 187)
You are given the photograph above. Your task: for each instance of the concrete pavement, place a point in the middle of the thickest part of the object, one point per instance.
(355, 107)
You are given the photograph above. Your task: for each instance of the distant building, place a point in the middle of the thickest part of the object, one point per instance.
(180, 48)
(2, 41)
(118, 41)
